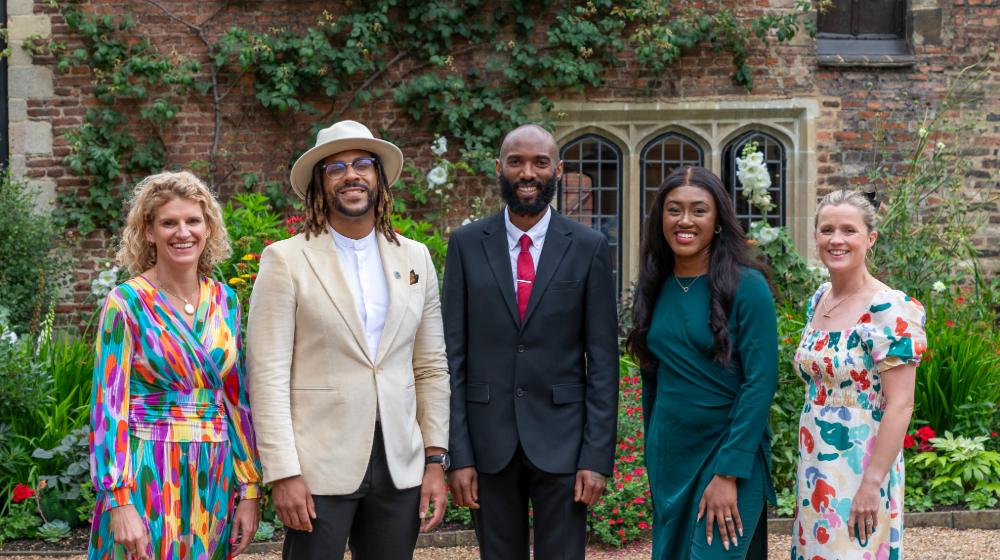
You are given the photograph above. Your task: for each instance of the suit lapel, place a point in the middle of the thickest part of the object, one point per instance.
(395, 259)
(325, 261)
(557, 241)
(498, 253)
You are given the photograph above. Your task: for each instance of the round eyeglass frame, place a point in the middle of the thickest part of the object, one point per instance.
(332, 172)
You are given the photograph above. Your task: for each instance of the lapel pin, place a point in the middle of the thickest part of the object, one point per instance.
(396, 274)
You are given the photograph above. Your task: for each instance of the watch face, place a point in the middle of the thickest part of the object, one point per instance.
(447, 461)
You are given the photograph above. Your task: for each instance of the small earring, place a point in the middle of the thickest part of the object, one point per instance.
(816, 253)
(718, 230)
(870, 254)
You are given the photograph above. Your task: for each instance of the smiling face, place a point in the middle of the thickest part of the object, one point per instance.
(352, 195)
(842, 238)
(689, 222)
(528, 170)
(180, 232)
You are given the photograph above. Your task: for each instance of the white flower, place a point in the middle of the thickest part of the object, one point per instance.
(10, 337)
(105, 282)
(820, 271)
(922, 132)
(939, 286)
(437, 176)
(756, 158)
(767, 235)
(940, 145)
(466, 221)
(440, 146)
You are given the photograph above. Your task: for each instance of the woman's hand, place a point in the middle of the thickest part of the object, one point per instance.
(128, 530)
(718, 502)
(864, 510)
(244, 528)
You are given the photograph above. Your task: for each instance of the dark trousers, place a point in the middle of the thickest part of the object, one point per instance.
(378, 522)
(757, 549)
(501, 521)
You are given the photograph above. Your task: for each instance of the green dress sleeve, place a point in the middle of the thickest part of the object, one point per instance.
(756, 343)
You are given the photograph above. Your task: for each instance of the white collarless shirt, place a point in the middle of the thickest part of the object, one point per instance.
(537, 235)
(365, 275)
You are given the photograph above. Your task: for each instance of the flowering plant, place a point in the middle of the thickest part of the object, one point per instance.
(21, 493)
(754, 176)
(106, 281)
(435, 188)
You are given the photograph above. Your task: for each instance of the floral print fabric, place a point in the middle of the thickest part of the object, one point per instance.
(839, 424)
(172, 432)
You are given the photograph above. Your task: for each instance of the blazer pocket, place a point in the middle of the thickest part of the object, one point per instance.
(566, 285)
(477, 392)
(569, 393)
(331, 393)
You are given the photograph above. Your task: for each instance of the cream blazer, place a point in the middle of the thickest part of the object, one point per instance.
(312, 382)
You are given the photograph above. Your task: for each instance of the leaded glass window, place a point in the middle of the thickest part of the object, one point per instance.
(660, 157)
(774, 158)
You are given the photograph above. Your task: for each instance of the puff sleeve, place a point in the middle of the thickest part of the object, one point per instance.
(893, 330)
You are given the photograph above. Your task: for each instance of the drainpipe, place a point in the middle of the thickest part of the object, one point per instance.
(4, 116)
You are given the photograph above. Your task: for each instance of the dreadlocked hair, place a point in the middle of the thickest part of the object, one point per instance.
(316, 205)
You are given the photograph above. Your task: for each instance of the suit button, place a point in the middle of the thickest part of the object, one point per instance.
(520, 348)
(520, 392)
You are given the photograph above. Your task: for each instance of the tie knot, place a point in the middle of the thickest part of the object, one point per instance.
(525, 242)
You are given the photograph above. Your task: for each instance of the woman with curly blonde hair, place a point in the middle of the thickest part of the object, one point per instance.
(173, 439)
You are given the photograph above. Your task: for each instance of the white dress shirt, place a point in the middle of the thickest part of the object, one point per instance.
(362, 264)
(537, 235)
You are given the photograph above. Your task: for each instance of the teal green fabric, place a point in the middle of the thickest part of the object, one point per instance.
(703, 419)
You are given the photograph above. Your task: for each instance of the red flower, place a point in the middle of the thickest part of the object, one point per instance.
(908, 441)
(22, 492)
(268, 242)
(925, 433)
(621, 532)
(994, 434)
(950, 324)
(642, 525)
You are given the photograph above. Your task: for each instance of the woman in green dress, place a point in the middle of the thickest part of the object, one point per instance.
(706, 339)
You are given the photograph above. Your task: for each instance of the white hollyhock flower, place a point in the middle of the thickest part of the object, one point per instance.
(105, 282)
(756, 158)
(440, 146)
(939, 286)
(437, 176)
(10, 337)
(767, 235)
(466, 221)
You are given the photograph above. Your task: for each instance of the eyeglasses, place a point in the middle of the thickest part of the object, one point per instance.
(337, 169)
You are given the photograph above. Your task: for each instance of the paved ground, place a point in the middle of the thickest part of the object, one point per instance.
(920, 544)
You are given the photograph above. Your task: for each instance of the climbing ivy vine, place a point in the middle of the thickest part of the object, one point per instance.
(465, 69)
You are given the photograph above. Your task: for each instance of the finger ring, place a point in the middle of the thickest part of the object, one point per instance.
(729, 519)
(869, 522)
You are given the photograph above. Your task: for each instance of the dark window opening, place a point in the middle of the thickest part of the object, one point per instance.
(852, 28)
(774, 158)
(660, 157)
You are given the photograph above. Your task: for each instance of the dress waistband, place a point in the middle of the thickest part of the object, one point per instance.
(181, 416)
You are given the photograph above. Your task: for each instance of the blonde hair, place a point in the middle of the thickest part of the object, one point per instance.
(136, 253)
(856, 199)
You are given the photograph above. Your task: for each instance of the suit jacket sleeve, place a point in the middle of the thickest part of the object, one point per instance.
(430, 365)
(601, 345)
(757, 344)
(455, 310)
(270, 342)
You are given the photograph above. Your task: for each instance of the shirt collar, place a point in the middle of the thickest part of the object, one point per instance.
(536, 233)
(353, 244)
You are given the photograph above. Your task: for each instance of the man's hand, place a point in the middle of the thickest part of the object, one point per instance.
(245, 522)
(589, 486)
(464, 484)
(433, 490)
(293, 503)
(129, 531)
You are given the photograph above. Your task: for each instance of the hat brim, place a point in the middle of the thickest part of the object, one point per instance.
(390, 155)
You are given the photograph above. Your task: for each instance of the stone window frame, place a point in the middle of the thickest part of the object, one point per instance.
(712, 125)
(924, 21)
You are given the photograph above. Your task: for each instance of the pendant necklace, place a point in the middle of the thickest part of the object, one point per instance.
(688, 287)
(188, 308)
(828, 310)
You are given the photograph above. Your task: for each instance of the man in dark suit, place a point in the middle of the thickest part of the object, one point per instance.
(531, 332)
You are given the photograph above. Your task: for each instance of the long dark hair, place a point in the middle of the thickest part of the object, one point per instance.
(729, 253)
(316, 205)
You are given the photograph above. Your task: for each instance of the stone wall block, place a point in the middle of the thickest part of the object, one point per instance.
(925, 25)
(22, 27)
(20, 7)
(29, 82)
(17, 110)
(38, 137)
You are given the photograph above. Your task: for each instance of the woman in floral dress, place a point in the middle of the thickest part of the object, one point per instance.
(172, 442)
(858, 357)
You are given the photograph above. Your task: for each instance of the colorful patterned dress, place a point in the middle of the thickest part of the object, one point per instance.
(172, 432)
(839, 422)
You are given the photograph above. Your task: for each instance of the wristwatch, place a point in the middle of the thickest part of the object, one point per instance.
(443, 459)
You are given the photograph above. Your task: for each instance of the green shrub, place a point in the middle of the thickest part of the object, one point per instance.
(20, 522)
(32, 271)
(963, 463)
(24, 382)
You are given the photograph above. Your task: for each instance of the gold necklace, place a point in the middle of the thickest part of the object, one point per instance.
(188, 308)
(828, 310)
(688, 287)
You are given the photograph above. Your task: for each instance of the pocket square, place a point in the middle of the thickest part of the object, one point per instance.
(414, 277)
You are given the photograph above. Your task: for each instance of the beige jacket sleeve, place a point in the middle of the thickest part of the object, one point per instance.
(430, 365)
(270, 343)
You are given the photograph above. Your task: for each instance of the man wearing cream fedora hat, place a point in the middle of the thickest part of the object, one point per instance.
(346, 365)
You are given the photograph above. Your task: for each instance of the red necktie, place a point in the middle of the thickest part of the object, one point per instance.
(525, 275)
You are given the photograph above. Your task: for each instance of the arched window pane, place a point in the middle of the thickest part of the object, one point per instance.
(590, 189)
(774, 158)
(660, 158)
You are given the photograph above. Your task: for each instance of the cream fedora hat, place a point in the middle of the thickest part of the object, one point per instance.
(343, 136)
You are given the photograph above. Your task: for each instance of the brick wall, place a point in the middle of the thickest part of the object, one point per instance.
(946, 35)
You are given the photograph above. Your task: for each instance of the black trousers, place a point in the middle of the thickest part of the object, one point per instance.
(757, 550)
(378, 522)
(501, 522)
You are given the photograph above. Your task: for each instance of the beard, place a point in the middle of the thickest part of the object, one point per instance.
(332, 200)
(508, 191)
